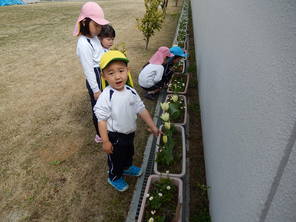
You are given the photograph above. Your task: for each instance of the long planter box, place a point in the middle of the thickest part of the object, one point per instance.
(185, 76)
(184, 120)
(176, 181)
(181, 131)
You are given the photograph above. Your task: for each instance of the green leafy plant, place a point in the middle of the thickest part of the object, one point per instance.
(203, 214)
(55, 162)
(176, 107)
(178, 67)
(182, 32)
(161, 202)
(178, 83)
(152, 20)
(181, 35)
(165, 155)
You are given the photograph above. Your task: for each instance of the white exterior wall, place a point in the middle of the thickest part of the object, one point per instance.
(246, 54)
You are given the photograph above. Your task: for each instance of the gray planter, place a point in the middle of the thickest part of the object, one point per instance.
(180, 130)
(177, 182)
(186, 84)
(184, 121)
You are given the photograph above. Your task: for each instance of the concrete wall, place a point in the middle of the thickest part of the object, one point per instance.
(246, 51)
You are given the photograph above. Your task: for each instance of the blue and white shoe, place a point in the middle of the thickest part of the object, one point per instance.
(118, 184)
(133, 171)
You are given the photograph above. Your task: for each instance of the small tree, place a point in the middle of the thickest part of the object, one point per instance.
(152, 19)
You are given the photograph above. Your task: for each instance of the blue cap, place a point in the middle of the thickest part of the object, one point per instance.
(177, 51)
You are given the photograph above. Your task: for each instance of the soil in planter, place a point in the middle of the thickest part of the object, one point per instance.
(176, 166)
(178, 83)
(180, 118)
(169, 205)
(178, 67)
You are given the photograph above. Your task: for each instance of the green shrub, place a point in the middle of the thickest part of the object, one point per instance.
(152, 20)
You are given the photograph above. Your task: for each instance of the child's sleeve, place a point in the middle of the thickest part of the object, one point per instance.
(85, 55)
(102, 109)
(139, 105)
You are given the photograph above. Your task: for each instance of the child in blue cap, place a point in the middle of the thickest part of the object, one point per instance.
(179, 54)
(158, 71)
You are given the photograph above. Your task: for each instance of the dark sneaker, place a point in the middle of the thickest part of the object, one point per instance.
(133, 171)
(118, 184)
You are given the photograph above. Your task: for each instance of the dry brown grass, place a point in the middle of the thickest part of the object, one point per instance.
(50, 167)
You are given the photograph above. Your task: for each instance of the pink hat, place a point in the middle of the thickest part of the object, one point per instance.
(160, 55)
(93, 11)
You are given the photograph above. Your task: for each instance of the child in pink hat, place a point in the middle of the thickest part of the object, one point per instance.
(151, 77)
(89, 50)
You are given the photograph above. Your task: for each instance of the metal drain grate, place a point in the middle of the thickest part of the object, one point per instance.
(149, 171)
(147, 167)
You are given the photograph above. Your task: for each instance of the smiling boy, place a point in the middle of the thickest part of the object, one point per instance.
(117, 109)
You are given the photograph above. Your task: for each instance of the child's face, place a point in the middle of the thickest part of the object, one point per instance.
(107, 42)
(94, 28)
(116, 74)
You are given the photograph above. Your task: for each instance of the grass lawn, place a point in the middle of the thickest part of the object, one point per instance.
(50, 167)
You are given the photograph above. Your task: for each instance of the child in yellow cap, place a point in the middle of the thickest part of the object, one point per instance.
(116, 110)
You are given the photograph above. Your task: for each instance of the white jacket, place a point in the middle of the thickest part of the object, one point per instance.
(150, 75)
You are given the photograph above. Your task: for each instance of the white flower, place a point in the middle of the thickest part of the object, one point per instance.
(151, 198)
(147, 195)
(167, 125)
(175, 98)
(151, 219)
(183, 84)
(160, 194)
(153, 212)
(167, 172)
(165, 117)
(164, 106)
(168, 187)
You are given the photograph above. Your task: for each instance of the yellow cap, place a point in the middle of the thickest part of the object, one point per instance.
(110, 56)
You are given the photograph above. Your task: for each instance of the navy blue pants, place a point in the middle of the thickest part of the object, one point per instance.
(92, 98)
(122, 156)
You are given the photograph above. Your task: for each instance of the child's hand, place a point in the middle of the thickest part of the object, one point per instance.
(107, 147)
(96, 95)
(155, 131)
